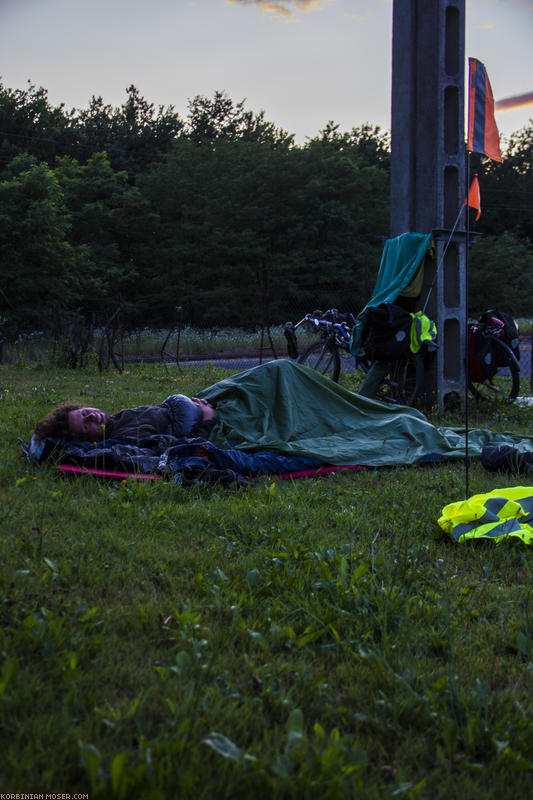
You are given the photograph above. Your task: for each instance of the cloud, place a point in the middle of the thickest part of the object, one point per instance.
(514, 102)
(284, 8)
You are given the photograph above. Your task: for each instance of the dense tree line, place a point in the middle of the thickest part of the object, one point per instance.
(220, 213)
(501, 262)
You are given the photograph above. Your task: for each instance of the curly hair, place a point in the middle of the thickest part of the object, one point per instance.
(56, 424)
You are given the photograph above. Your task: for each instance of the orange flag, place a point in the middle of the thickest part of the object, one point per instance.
(474, 197)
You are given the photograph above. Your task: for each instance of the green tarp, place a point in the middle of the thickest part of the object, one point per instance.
(292, 409)
(402, 257)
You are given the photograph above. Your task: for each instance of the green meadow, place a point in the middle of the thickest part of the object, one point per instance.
(320, 638)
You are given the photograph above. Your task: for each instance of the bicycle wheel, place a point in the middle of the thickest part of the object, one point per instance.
(324, 357)
(506, 383)
(405, 382)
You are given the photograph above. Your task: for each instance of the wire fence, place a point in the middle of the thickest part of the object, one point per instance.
(186, 344)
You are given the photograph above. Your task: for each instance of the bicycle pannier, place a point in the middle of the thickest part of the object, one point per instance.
(509, 333)
(386, 332)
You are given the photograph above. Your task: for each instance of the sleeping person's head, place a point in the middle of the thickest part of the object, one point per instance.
(208, 410)
(73, 422)
(87, 424)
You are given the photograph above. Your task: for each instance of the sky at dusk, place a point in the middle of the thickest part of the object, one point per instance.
(304, 62)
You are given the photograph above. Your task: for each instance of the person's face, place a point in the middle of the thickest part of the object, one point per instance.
(208, 411)
(87, 424)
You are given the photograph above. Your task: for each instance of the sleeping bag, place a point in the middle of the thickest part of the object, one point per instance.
(295, 410)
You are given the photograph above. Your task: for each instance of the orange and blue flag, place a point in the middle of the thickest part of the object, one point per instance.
(483, 136)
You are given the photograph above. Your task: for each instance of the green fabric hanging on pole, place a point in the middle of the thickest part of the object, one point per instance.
(402, 257)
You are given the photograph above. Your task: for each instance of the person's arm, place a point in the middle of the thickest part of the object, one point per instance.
(185, 417)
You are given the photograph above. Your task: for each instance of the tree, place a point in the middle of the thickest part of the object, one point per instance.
(134, 135)
(114, 225)
(250, 229)
(221, 214)
(220, 118)
(28, 123)
(39, 268)
(369, 144)
(507, 188)
(501, 275)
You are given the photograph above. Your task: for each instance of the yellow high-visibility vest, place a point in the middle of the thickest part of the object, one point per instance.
(423, 330)
(496, 515)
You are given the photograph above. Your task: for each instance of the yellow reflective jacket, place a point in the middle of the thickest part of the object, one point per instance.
(423, 331)
(496, 515)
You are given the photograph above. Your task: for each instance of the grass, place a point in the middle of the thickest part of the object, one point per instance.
(319, 639)
(195, 341)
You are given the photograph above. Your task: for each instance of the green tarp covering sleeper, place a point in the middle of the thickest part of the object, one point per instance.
(292, 409)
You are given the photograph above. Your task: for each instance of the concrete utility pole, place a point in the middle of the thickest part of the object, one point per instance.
(428, 165)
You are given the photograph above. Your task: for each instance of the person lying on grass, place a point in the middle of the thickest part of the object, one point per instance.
(178, 416)
(286, 408)
(170, 438)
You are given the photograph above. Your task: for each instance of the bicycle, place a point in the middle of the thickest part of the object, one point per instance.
(401, 379)
(493, 353)
(324, 355)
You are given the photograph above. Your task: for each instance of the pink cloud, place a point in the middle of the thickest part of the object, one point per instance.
(515, 102)
(284, 8)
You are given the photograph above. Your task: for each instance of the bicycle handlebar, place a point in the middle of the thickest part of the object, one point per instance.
(327, 320)
(341, 329)
(334, 315)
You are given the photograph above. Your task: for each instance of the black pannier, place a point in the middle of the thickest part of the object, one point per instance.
(386, 333)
